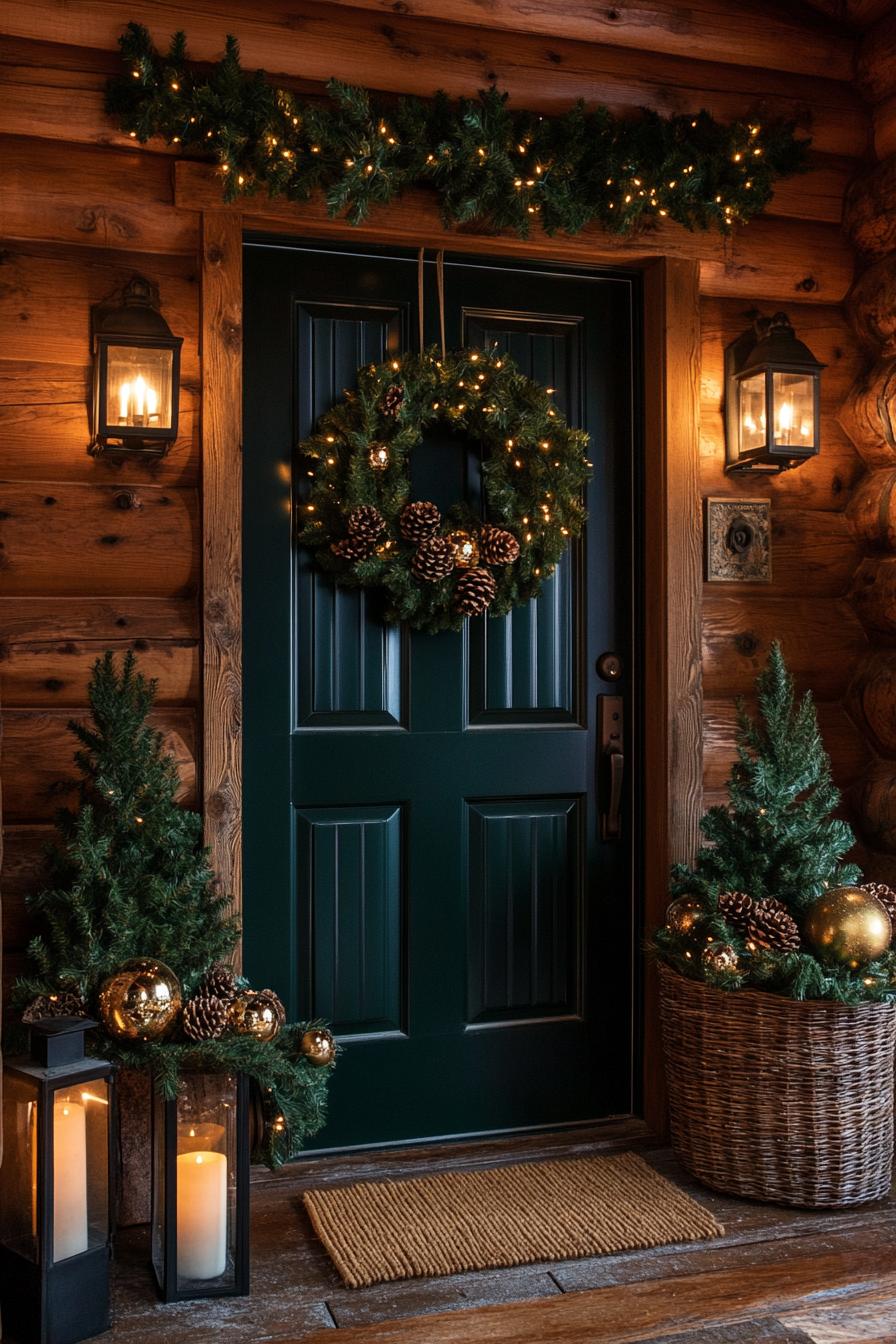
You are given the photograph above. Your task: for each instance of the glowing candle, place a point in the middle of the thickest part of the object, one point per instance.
(69, 1178)
(152, 403)
(201, 1215)
(124, 402)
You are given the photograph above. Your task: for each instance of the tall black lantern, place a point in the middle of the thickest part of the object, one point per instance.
(200, 1188)
(55, 1183)
(136, 375)
(771, 398)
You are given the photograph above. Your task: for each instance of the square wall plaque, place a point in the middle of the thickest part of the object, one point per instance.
(738, 541)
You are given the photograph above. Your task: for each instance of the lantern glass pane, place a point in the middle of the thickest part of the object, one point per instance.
(794, 403)
(751, 418)
(139, 387)
(206, 1141)
(80, 1168)
(19, 1225)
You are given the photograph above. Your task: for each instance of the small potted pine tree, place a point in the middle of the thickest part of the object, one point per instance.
(778, 979)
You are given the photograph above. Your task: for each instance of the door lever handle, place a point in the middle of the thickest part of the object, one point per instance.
(612, 758)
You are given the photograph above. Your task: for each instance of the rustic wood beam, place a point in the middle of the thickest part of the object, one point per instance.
(869, 210)
(872, 306)
(872, 509)
(872, 699)
(222, 430)
(868, 414)
(876, 62)
(418, 55)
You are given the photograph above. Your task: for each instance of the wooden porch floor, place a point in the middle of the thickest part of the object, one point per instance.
(776, 1276)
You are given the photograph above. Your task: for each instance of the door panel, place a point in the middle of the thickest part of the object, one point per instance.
(423, 861)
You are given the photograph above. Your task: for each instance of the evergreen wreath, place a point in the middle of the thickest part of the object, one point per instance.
(489, 164)
(364, 527)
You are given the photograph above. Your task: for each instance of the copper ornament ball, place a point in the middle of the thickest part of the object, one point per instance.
(140, 1002)
(318, 1046)
(848, 927)
(721, 959)
(466, 549)
(253, 1014)
(684, 915)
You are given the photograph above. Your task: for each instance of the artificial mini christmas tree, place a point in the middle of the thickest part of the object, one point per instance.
(774, 851)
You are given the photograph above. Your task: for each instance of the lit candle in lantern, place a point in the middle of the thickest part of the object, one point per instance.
(152, 404)
(201, 1215)
(139, 398)
(200, 1137)
(785, 421)
(124, 403)
(69, 1178)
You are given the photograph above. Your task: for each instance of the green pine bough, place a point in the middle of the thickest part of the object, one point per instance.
(775, 839)
(129, 877)
(533, 472)
(498, 167)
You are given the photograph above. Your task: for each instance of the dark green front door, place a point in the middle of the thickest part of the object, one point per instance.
(423, 857)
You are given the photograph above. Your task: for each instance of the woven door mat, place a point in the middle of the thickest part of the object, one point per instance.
(376, 1231)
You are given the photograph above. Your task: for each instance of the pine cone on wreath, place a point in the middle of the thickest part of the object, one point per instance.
(65, 1003)
(772, 927)
(419, 521)
(433, 559)
(497, 546)
(474, 592)
(736, 907)
(204, 1017)
(393, 397)
(887, 897)
(219, 982)
(354, 548)
(365, 523)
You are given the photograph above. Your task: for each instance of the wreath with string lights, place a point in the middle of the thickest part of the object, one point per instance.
(434, 570)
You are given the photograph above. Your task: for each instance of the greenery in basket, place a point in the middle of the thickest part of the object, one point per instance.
(130, 878)
(770, 901)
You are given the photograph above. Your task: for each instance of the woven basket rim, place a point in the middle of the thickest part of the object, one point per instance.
(766, 996)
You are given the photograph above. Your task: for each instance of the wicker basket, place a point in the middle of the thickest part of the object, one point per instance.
(778, 1100)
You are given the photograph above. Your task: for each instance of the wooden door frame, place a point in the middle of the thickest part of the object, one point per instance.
(672, 562)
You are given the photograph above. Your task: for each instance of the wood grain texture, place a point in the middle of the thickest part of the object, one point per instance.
(869, 217)
(814, 554)
(24, 869)
(222, 308)
(768, 258)
(411, 54)
(848, 750)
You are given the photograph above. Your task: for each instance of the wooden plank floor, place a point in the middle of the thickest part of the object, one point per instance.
(777, 1276)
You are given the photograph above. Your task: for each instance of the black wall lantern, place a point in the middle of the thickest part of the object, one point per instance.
(55, 1183)
(771, 398)
(200, 1187)
(136, 375)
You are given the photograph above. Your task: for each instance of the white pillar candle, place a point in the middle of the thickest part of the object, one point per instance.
(69, 1178)
(124, 402)
(139, 395)
(201, 1215)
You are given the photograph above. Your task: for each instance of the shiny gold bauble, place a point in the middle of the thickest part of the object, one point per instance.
(466, 549)
(318, 1046)
(141, 1002)
(848, 927)
(721, 960)
(252, 1014)
(378, 457)
(684, 915)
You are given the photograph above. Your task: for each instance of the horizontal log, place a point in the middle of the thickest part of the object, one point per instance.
(843, 742)
(768, 258)
(824, 482)
(884, 127)
(408, 54)
(874, 594)
(70, 539)
(46, 297)
(869, 210)
(868, 414)
(877, 807)
(99, 620)
(822, 641)
(872, 509)
(876, 59)
(42, 673)
(871, 306)
(91, 197)
(872, 700)
(24, 872)
(815, 553)
(47, 441)
(37, 767)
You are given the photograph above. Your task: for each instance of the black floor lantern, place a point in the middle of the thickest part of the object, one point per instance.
(55, 1184)
(200, 1188)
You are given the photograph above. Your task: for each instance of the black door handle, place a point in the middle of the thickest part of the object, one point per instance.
(612, 762)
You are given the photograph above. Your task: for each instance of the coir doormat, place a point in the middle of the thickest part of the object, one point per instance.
(515, 1215)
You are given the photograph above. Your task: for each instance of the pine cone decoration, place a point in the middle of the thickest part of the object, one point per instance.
(475, 590)
(365, 523)
(433, 559)
(419, 521)
(65, 1003)
(887, 897)
(393, 397)
(772, 927)
(204, 1017)
(735, 907)
(354, 548)
(219, 982)
(497, 546)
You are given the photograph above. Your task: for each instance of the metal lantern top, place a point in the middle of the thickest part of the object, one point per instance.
(776, 343)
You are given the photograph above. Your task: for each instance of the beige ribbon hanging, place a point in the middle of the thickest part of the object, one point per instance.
(421, 287)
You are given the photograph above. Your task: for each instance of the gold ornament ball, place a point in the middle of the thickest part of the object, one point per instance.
(684, 915)
(378, 457)
(318, 1046)
(848, 927)
(141, 1002)
(251, 1014)
(466, 549)
(721, 959)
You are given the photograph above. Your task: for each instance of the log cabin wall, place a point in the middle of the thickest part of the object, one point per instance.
(96, 556)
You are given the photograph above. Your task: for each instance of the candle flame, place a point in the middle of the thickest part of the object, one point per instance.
(91, 1096)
